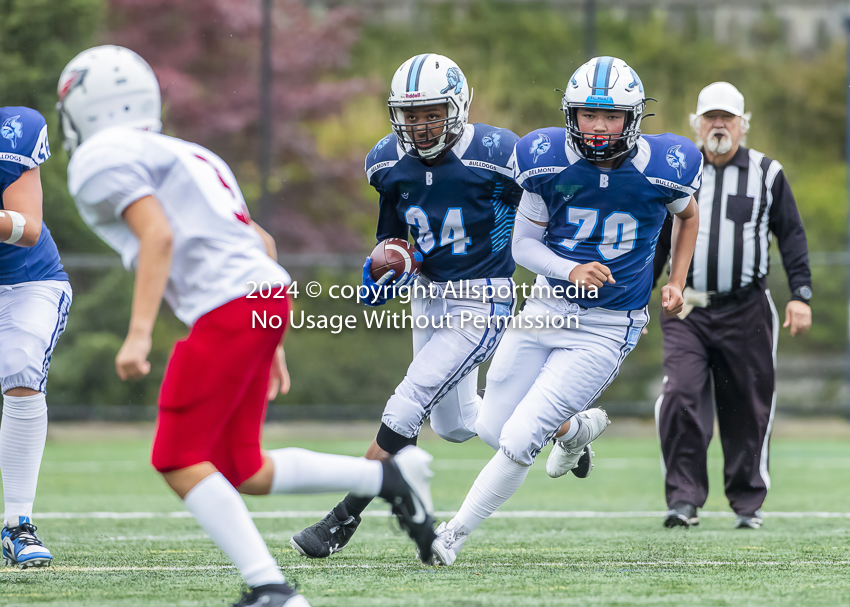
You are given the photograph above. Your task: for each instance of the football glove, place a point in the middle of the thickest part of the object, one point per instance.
(380, 292)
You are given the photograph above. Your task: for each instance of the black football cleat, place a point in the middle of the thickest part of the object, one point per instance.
(585, 463)
(272, 595)
(407, 488)
(681, 514)
(329, 536)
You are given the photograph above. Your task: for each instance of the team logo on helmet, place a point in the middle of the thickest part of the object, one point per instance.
(676, 159)
(491, 142)
(455, 78)
(540, 146)
(635, 83)
(12, 130)
(72, 80)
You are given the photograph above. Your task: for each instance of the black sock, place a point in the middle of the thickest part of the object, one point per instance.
(355, 505)
(392, 482)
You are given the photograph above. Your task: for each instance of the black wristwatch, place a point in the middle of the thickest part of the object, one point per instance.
(803, 294)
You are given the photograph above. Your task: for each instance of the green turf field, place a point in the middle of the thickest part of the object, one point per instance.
(533, 559)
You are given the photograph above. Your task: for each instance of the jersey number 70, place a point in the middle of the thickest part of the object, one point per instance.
(619, 231)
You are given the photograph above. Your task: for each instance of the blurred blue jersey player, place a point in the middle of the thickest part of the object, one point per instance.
(34, 299)
(595, 197)
(450, 186)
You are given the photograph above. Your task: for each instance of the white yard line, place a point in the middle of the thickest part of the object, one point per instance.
(443, 465)
(414, 565)
(522, 514)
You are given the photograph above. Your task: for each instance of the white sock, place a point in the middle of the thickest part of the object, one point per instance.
(575, 426)
(23, 430)
(302, 471)
(222, 513)
(498, 481)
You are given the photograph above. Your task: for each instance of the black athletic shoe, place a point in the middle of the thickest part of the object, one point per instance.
(407, 488)
(585, 463)
(329, 535)
(681, 514)
(272, 595)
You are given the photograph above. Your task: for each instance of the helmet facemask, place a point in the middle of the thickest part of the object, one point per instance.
(70, 134)
(443, 132)
(597, 147)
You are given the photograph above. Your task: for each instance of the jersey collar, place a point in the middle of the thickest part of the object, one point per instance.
(462, 145)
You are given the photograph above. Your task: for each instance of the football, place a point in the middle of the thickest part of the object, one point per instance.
(395, 254)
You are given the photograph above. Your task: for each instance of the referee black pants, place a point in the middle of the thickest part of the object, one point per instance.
(733, 348)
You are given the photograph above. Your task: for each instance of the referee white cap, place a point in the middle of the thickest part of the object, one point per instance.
(720, 96)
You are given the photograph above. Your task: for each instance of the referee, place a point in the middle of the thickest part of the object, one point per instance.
(726, 335)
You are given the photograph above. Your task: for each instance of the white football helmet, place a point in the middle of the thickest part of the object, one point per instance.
(429, 80)
(604, 83)
(106, 86)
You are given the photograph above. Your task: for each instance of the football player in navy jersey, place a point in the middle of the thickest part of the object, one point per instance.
(34, 300)
(595, 196)
(450, 185)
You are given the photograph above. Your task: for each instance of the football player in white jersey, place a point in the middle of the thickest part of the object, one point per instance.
(174, 212)
(34, 299)
(596, 194)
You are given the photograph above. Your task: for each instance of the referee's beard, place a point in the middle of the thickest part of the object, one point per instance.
(719, 142)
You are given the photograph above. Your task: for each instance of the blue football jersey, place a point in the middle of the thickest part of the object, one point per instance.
(23, 146)
(460, 212)
(611, 216)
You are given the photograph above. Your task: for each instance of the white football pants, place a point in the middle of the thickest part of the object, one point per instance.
(541, 377)
(32, 317)
(442, 381)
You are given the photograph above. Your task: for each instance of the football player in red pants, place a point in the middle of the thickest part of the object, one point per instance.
(174, 212)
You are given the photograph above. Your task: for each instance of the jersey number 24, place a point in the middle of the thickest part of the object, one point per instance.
(452, 231)
(619, 231)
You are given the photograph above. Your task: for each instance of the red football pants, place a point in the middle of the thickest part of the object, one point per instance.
(212, 403)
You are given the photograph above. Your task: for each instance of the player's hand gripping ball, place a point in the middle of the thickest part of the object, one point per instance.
(391, 258)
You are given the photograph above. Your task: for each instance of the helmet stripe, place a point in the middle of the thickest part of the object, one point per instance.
(601, 75)
(415, 72)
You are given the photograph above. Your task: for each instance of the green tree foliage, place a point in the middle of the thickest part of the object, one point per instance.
(514, 54)
(206, 54)
(37, 39)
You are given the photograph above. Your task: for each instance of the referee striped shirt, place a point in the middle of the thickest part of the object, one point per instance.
(742, 206)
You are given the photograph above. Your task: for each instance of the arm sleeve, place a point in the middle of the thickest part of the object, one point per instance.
(389, 224)
(662, 249)
(117, 186)
(784, 221)
(531, 252)
(532, 206)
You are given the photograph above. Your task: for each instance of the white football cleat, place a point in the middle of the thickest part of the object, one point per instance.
(447, 546)
(565, 455)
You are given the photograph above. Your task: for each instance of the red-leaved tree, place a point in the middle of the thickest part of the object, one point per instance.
(206, 54)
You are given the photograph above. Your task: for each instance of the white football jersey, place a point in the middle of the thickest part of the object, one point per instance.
(216, 254)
